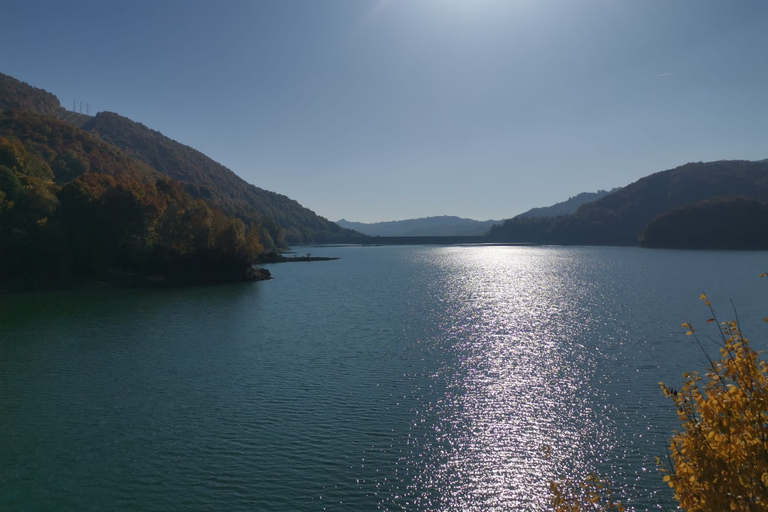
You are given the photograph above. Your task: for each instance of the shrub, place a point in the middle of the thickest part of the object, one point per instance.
(718, 461)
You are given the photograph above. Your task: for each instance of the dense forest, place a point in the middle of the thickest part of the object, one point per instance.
(19, 95)
(75, 208)
(619, 217)
(721, 222)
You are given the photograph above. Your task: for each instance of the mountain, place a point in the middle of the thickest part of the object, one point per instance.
(619, 217)
(73, 208)
(76, 208)
(212, 181)
(456, 226)
(282, 220)
(565, 207)
(429, 226)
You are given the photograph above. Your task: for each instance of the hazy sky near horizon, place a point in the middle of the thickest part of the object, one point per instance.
(392, 109)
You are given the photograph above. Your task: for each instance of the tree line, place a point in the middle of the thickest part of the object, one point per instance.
(73, 207)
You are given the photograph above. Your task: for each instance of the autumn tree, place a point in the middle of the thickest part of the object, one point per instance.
(718, 460)
(591, 494)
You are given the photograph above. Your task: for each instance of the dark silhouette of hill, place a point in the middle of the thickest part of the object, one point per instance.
(619, 217)
(718, 223)
(565, 207)
(430, 226)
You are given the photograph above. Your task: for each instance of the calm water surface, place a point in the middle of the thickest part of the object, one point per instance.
(396, 378)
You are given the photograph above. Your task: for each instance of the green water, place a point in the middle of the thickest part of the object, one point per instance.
(395, 378)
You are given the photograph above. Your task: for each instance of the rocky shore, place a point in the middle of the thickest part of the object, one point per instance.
(257, 274)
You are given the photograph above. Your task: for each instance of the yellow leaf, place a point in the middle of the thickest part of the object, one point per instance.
(710, 320)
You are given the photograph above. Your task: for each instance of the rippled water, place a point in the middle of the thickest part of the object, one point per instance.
(396, 378)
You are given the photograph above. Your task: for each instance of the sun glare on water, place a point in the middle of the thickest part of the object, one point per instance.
(517, 412)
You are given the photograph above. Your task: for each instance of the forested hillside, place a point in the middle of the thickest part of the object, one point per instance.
(566, 207)
(282, 220)
(20, 95)
(719, 223)
(212, 181)
(619, 217)
(73, 207)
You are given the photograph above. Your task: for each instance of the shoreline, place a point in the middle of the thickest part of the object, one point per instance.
(131, 281)
(274, 257)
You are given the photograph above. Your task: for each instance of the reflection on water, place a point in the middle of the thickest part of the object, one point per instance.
(554, 359)
(517, 412)
(397, 378)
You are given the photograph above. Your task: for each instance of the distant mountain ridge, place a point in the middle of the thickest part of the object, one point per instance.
(444, 225)
(619, 217)
(566, 207)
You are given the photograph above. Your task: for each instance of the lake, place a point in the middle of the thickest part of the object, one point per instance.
(395, 378)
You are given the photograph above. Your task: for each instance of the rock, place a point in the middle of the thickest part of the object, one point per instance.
(257, 274)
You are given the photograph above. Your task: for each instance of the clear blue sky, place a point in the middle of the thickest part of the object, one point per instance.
(392, 109)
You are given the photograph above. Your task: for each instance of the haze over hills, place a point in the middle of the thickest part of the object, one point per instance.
(446, 225)
(693, 206)
(430, 226)
(283, 220)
